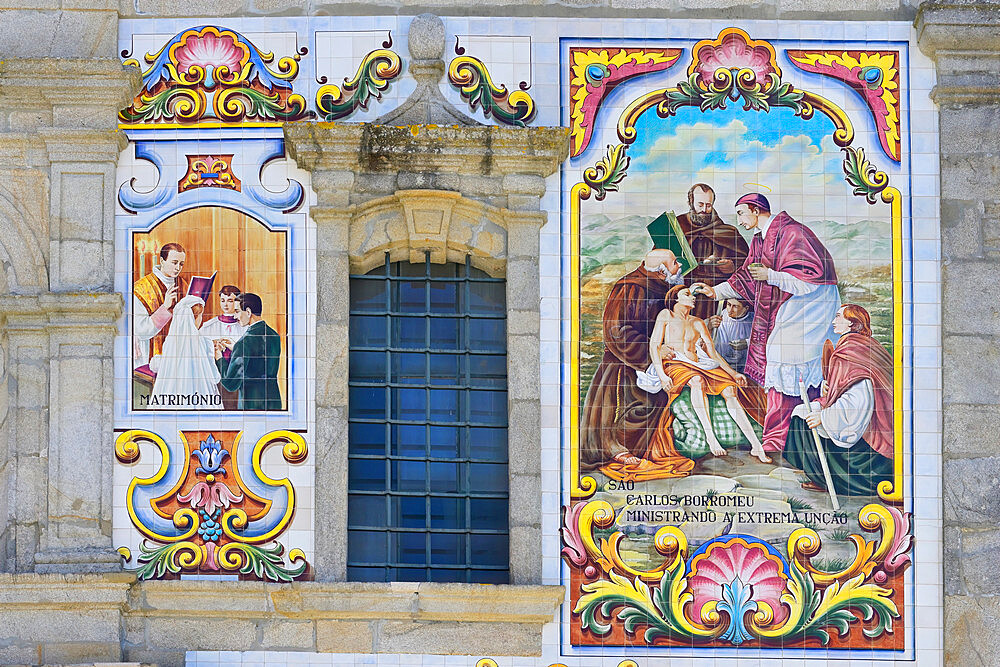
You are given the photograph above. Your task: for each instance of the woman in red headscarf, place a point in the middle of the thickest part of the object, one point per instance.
(853, 415)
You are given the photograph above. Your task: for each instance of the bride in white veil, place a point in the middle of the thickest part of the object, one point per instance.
(186, 374)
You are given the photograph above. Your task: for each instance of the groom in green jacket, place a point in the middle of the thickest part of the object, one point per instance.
(252, 368)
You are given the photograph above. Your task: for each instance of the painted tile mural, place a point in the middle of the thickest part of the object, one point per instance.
(737, 443)
(215, 364)
(740, 310)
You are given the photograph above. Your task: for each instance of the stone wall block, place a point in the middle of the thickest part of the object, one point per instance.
(344, 636)
(972, 491)
(953, 584)
(524, 424)
(978, 562)
(971, 370)
(46, 32)
(971, 430)
(330, 513)
(287, 635)
(525, 555)
(522, 367)
(526, 503)
(78, 653)
(331, 363)
(31, 481)
(962, 299)
(965, 176)
(970, 636)
(458, 638)
(83, 265)
(196, 633)
(963, 228)
(82, 624)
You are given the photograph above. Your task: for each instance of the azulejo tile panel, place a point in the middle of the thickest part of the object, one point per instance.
(739, 245)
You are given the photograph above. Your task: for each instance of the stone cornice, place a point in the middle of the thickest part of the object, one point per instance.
(63, 591)
(69, 83)
(361, 601)
(961, 26)
(964, 40)
(478, 150)
(60, 311)
(73, 145)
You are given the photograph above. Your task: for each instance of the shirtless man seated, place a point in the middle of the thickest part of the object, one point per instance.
(683, 354)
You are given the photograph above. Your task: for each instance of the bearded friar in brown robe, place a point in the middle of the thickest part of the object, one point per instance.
(619, 418)
(718, 247)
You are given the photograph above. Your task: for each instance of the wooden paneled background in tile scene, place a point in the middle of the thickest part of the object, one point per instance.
(243, 251)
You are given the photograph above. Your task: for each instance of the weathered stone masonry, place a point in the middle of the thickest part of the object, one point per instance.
(60, 88)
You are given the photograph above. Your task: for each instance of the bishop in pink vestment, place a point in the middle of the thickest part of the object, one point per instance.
(790, 279)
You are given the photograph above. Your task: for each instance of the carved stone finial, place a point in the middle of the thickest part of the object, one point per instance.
(426, 39)
(426, 105)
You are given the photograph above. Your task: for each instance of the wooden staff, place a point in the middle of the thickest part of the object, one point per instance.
(819, 448)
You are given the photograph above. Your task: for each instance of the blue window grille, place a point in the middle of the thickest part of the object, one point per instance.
(427, 478)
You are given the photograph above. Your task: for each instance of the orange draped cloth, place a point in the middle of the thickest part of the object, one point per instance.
(663, 460)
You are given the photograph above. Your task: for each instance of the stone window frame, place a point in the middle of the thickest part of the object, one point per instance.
(451, 191)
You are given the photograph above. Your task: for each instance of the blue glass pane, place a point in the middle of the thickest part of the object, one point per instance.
(489, 576)
(366, 474)
(446, 405)
(444, 441)
(407, 269)
(409, 512)
(409, 332)
(410, 548)
(368, 366)
(446, 369)
(409, 440)
(367, 439)
(366, 511)
(408, 574)
(444, 477)
(489, 549)
(366, 574)
(488, 477)
(409, 404)
(449, 575)
(367, 331)
(408, 367)
(488, 370)
(446, 333)
(447, 549)
(448, 270)
(488, 443)
(408, 296)
(487, 336)
(366, 546)
(448, 512)
(488, 513)
(488, 407)
(409, 476)
(487, 298)
(368, 295)
(367, 402)
(446, 297)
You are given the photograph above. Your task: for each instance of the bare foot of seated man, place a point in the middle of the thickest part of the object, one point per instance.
(680, 337)
(625, 458)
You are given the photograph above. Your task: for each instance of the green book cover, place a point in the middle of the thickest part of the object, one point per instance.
(667, 235)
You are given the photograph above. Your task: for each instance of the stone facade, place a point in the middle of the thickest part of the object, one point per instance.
(61, 86)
